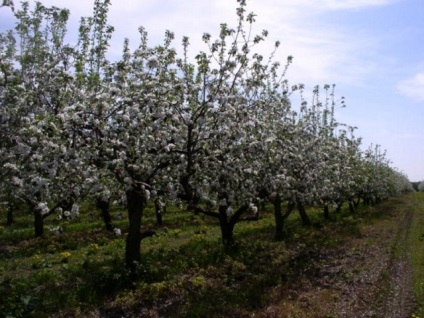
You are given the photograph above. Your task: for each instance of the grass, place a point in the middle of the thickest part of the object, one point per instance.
(185, 272)
(417, 250)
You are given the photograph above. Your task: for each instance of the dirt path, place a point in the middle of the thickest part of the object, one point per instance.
(376, 278)
(367, 276)
(400, 301)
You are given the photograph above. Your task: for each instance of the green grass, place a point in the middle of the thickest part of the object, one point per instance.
(185, 271)
(417, 250)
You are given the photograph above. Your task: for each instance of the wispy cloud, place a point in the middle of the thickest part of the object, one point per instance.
(353, 4)
(323, 52)
(413, 87)
(318, 6)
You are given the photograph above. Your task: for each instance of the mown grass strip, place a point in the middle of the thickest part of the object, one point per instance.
(417, 251)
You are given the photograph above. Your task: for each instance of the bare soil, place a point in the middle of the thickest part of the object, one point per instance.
(368, 276)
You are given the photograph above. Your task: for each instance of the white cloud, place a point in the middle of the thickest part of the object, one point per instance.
(413, 87)
(323, 52)
(317, 6)
(353, 4)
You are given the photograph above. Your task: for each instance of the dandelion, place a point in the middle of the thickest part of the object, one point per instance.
(65, 254)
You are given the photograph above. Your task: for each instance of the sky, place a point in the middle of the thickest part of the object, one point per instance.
(373, 50)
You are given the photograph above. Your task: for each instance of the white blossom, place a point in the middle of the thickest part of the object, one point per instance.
(229, 211)
(43, 208)
(153, 62)
(253, 208)
(17, 182)
(74, 211)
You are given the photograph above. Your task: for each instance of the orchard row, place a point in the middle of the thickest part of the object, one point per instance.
(223, 133)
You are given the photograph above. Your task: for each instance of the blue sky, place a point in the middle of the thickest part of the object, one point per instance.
(371, 49)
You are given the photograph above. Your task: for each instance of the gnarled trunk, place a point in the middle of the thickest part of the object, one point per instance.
(38, 221)
(356, 203)
(226, 229)
(227, 222)
(339, 207)
(303, 215)
(103, 205)
(10, 217)
(136, 202)
(351, 207)
(326, 212)
(280, 219)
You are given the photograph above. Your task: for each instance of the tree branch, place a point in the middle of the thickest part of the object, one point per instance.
(198, 210)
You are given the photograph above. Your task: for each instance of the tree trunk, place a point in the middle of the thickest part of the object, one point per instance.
(103, 206)
(136, 203)
(279, 220)
(357, 201)
(10, 218)
(339, 207)
(67, 204)
(226, 230)
(326, 212)
(303, 215)
(158, 211)
(366, 201)
(351, 207)
(38, 222)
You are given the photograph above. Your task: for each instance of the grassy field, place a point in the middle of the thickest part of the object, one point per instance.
(185, 271)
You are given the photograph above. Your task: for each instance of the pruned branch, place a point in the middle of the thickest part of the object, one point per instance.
(198, 210)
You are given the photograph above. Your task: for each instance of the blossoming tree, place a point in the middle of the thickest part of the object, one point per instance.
(221, 133)
(37, 87)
